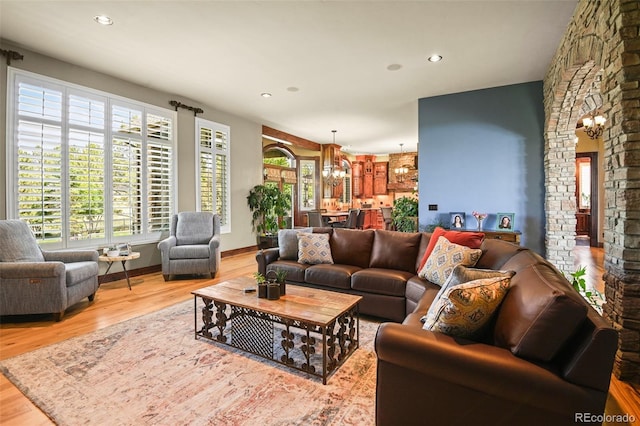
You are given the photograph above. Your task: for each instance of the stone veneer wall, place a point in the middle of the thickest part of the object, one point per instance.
(597, 66)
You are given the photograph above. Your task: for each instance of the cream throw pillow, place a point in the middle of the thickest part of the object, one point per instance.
(446, 256)
(314, 248)
(463, 309)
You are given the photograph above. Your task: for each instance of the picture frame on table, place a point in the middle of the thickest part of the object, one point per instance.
(457, 220)
(505, 222)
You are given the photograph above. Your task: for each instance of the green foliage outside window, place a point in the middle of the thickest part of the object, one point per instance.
(277, 161)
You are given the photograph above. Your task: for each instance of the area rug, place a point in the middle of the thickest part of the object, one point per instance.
(151, 370)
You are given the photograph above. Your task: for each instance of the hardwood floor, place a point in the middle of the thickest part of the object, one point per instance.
(115, 303)
(624, 397)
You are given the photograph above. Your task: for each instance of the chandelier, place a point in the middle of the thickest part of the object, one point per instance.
(402, 171)
(332, 174)
(594, 126)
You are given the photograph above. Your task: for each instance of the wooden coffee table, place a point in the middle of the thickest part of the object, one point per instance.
(317, 329)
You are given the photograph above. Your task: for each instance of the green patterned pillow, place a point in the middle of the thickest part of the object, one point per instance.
(444, 258)
(463, 309)
(314, 248)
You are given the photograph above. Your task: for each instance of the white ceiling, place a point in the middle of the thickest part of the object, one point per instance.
(226, 53)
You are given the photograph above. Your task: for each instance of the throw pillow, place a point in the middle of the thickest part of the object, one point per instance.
(288, 242)
(395, 250)
(469, 239)
(462, 274)
(446, 256)
(314, 248)
(464, 309)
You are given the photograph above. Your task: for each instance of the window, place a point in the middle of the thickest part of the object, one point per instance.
(345, 197)
(213, 170)
(87, 168)
(308, 187)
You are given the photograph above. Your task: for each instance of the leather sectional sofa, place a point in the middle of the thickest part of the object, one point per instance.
(373, 264)
(546, 357)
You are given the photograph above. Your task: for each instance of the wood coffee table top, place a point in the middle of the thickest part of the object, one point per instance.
(319, 307)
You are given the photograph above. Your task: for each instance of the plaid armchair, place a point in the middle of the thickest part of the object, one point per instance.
(35, 281)
(193, 245)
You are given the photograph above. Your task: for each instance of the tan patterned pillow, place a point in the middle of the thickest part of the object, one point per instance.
(446, 256)
(463, 309)
(314, 248)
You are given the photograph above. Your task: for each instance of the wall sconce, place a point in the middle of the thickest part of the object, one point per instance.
(594, 126)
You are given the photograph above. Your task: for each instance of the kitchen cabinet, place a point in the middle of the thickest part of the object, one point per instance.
(368, 177)
(373, 219)
(380, 178)
(357, 168)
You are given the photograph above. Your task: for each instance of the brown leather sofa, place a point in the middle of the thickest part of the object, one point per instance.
(375, 264)
(546, 359)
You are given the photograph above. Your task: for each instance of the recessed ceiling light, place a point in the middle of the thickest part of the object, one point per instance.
(292, 89)
(435, 58)
(265, 94)
(394, 67)
(103, 20)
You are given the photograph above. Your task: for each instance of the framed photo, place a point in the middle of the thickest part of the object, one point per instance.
(505, 221)
(457, 220)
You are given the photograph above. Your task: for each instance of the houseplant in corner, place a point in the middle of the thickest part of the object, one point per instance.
(405, 214)
(268, 206)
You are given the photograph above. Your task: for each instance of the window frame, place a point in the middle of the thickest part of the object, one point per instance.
(15, 77)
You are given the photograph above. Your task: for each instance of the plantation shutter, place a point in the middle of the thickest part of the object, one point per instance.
(213, 147)
(159, 168)
(207, 179)
(86, 168)
(39, 150)
(126, 169)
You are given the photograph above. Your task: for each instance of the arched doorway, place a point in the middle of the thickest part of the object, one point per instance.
(596, 64)
(280, 170)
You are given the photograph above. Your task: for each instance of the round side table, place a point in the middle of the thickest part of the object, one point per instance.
(123, 259)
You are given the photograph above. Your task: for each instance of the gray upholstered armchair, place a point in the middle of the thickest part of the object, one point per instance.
(35, 281)
(193, 245)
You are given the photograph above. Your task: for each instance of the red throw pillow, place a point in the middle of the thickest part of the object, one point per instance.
(468, 239)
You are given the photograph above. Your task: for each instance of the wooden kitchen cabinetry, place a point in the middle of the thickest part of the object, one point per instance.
(373, 219)
(380, 178)
(368, 177)
(357, 168)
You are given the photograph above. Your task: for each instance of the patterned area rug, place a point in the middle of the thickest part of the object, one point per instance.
(151, 370)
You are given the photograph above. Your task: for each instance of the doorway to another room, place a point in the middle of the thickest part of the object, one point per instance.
(587, 199)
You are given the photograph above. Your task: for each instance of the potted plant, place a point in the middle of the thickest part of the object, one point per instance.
(268, 206)
(405, 214)
(261, 281)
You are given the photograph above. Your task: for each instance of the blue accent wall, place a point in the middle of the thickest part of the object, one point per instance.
(483, 150)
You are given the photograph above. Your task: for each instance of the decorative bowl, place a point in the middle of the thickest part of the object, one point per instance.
(113, 253)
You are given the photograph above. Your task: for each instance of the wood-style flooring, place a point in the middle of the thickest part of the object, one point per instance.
(115, 303)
